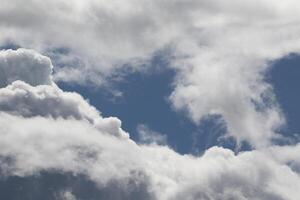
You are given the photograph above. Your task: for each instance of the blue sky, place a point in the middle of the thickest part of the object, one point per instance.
(145, 101)
(284, 77)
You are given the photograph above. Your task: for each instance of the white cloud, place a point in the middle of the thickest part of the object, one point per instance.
(24, 100)
(77, 147)
(148, 136)
(66, 195)
(24, 64)
(45, 129)
(116, 33)
(40, 96)
(221, 50)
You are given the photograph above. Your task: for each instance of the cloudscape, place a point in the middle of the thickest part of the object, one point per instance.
(149, 99)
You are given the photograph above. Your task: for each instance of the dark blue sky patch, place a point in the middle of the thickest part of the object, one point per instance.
(54, 185)
(285, 78)
(145, 101)
(9, 45)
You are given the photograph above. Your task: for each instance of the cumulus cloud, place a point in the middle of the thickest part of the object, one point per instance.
(221, 50)
(79, 148)
(31, 92)
(26, 65)
(21, 99)
(43, 129)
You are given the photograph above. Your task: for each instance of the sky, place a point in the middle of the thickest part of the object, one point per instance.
(137, 107)
(158, 100)
(284, 78)
(153, 110)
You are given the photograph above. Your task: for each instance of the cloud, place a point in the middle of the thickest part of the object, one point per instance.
(49, 130)
(26, 65)
(79, 148)
(220, 50)
(31, 92)
(148, 136)
(114, 34)
(24, 100)
(67, 195)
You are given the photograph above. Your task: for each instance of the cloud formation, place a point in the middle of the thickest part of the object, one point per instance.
(30, 92)
(67, 139)
(26, 65)
(220, 50)
(77, 147)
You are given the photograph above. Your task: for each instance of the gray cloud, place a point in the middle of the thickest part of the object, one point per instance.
(26, 65)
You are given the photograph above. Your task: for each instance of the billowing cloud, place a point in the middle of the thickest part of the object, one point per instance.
(21, 99)
(43, 128)
(26, 65)
(31, 92)
(77, 147)
(220, 50)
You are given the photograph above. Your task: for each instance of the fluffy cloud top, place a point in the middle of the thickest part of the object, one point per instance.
(26, 65)
(31, 92)
(79, 148)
